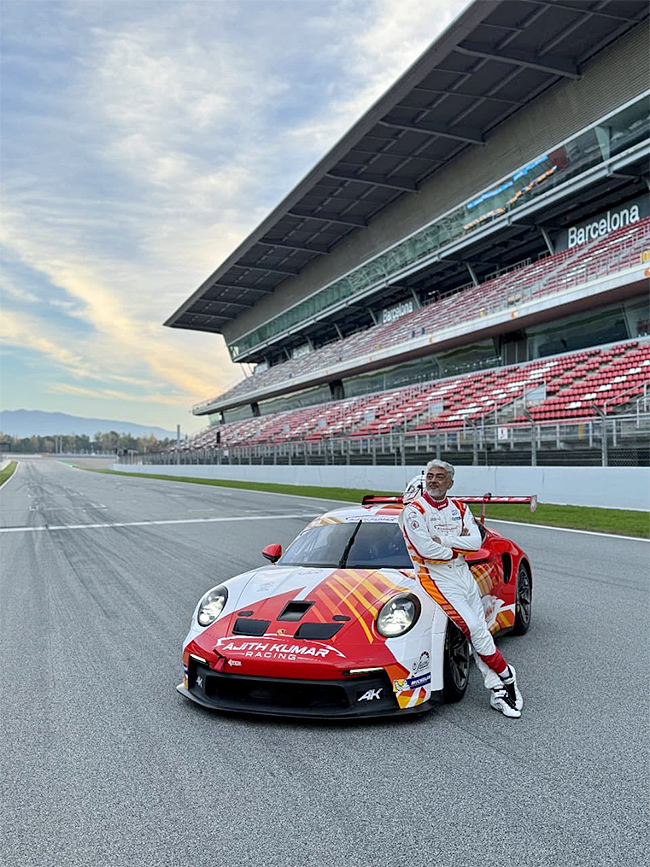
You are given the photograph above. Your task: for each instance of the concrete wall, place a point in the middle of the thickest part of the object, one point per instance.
(606, 487)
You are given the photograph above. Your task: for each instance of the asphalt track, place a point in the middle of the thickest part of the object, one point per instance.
(103, 763)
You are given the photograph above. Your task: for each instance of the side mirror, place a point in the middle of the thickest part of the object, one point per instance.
(272, 552)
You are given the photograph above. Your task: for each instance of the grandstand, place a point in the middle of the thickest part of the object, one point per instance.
(474, 252)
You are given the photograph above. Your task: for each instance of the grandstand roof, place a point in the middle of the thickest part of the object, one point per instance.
(495, 58)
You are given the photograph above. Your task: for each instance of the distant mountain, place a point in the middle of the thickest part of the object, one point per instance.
(26, 423)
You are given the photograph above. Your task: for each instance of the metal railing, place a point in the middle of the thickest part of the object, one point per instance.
(622, 440)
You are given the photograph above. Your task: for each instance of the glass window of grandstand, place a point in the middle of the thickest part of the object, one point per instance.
(609, 137)
(606, 325)
(477, 356)
(309, 397)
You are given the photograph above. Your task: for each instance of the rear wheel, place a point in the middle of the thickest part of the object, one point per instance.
(524, 600)
(455, 664)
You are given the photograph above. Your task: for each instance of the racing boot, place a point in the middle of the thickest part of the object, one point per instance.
(514, 694)
(500, 700)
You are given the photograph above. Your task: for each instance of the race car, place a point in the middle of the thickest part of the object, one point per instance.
(338, 625)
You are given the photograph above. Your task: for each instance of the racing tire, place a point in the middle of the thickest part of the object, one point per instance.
(455, 666)
(523, 600)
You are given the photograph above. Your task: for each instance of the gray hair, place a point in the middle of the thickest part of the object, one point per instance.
(448, 468)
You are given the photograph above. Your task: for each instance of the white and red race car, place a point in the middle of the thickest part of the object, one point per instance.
(340, 627)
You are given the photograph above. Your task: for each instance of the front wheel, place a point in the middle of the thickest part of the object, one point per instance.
(455, 666)
(524, 600)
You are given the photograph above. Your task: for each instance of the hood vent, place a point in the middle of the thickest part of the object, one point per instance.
(248, 626)
(295, 610)
(317, 631)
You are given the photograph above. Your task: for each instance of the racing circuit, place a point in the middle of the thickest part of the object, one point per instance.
(107, 764)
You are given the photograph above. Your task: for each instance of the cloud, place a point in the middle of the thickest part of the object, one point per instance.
(113, 394)
(141, 145)
(19, 331)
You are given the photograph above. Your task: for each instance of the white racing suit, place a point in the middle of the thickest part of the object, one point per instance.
(444, 574)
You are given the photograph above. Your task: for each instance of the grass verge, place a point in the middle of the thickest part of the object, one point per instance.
(7, 472)
(620, 521)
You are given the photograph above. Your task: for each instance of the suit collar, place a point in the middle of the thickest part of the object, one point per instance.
(437, 504)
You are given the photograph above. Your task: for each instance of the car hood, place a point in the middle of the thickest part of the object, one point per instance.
(321, 618)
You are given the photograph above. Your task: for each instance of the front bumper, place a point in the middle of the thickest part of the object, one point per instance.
(345, 698)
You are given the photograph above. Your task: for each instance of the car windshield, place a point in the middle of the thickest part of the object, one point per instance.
(353, 543)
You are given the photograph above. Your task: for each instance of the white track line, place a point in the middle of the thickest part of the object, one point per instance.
(567, 530)
(50, 528)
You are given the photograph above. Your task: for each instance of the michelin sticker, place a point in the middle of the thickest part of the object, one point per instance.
(411, 682)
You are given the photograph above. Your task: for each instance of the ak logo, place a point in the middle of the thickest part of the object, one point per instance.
(370, 694)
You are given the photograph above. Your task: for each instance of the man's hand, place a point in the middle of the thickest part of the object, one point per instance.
(436, 539)
(465, 532)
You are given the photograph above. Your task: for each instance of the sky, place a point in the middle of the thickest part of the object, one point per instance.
(140, 143)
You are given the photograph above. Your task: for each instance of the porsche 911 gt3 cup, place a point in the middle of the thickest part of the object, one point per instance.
(339, 626)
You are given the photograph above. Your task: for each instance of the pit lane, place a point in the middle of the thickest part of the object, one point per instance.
(102, 762)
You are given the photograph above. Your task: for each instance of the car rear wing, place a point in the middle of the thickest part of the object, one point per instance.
(499, 501)
(375, 500)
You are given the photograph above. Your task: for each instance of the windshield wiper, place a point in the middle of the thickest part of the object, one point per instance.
(350, 542)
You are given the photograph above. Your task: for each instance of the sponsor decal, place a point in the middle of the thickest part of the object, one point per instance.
(199, 681)
(415, 525)
(421, 680)
(372, 519)
(370, 695)
(276, 650)
(423, 662)
(234, 662)
(446, 528)
(411, 682)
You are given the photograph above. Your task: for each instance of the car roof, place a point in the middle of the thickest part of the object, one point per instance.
(374, 512)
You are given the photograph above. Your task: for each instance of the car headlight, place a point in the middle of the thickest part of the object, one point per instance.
(211, 606)
(398, 615)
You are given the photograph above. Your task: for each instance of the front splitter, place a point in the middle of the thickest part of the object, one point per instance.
(296, 713)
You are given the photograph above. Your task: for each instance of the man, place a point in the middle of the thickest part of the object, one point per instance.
(438, 532)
